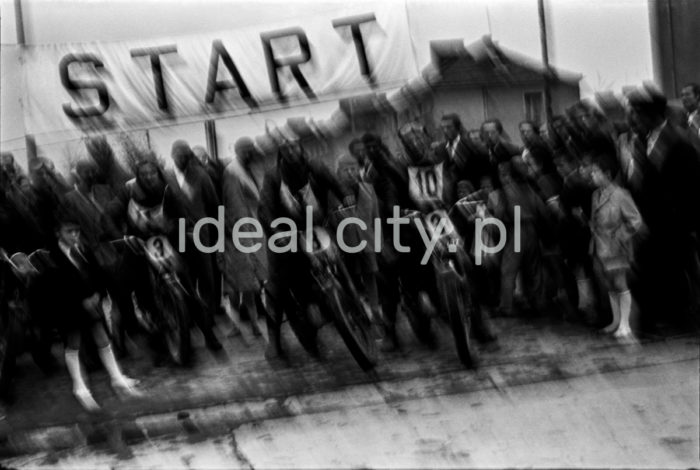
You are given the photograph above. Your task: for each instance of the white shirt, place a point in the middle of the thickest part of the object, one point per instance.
(180, 177)
(66, 249)
(654, 136)
(694, 121)
(452, 146)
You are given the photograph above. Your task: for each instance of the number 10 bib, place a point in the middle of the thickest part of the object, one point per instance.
(425, 183)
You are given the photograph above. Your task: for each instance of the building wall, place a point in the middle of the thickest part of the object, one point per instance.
(675, 35)
(467, 103)
(563, 96)
(505, 103)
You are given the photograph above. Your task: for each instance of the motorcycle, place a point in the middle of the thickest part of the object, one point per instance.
(334, 299)
(452, 300)
(168, 315)
(19, 332)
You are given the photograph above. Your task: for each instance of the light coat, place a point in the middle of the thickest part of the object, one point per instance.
(243, 272)
(615, 219)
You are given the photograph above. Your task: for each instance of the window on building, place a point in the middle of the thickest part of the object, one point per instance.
(534, 106)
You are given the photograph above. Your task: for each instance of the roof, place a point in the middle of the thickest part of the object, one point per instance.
(485, 62)
(480, 63)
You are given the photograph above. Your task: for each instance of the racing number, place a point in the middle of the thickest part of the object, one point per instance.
(427, 181)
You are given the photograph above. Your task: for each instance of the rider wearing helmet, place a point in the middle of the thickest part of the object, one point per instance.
(295, 184)
(152, 208)
(432, 185)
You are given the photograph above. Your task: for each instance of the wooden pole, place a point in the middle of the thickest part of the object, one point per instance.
(19, 23)
(210, 133)
(545, 61)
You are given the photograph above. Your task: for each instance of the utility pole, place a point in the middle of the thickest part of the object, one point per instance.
(19, 23)
(29, 141)
(545, 61)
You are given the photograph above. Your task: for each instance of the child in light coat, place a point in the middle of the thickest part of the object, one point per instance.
(615, 220)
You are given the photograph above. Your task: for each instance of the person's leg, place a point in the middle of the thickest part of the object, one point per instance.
(228, 302)
(510, 264)
(273, 318)
(532, 271)
(614, 297)
(75, 370)
(619, 282)
(199, 280)
(248, 300)
(119, 380)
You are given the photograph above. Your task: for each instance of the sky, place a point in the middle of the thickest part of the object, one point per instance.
(606, 40)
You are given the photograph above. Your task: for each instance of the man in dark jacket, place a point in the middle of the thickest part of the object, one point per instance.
(500, 149)
(465, 160)
(669, 200)
(194, 188)
(288, 190)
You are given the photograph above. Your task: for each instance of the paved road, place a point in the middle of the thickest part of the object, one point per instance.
(640, 418)
(551, 394)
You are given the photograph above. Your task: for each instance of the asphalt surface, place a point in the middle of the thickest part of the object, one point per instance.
(529, 352)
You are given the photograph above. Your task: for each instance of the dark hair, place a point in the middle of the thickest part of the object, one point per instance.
(456, 121)
(497, 122)
(64, 217)
(693, 86)
(535, 127)
(99, 150)
(370, 138)
(354, 142)
(607, 163)
(648, 100)
(144, 162)
(566, 157)
(541, 155)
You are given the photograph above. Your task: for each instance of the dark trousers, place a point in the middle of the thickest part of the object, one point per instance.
(527, 262)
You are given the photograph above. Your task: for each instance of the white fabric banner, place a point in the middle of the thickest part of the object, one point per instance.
(141, 84)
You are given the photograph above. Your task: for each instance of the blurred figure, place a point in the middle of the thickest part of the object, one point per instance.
(12, 173)
(529, 134)
(390, 186)
(358, 150)
(244, 273)
(669, 200)
(49, 189)
(363, 265)
(614, 222)
(594, 132)
(474, 136)
(214, 168)
(573, 226)
(288, 189)
(499, 147)
(109, 171)
(87, 203)
(690, 97)
(561, 137)
(527, 259)
(464, 161)
(21, 227)
(193, 187)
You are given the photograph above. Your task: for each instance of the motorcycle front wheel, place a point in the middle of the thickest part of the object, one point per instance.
(170, 300)
(353, 325)
(457, 301)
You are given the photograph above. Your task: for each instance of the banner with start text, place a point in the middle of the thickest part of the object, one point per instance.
(145, 83)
